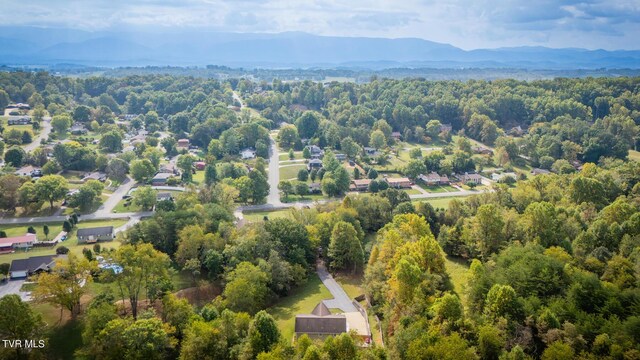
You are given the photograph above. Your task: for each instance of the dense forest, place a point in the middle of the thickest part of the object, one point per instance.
(554, 259)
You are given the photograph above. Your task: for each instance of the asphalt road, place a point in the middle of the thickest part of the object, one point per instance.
(113, 200)
(273, 198)
(45, 130)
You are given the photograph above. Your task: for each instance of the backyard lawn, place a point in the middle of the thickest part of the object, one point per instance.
(291, 171)
(285, 156)
(301, 301)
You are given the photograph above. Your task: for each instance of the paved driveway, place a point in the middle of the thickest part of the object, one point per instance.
(340, 298)
(13, 287)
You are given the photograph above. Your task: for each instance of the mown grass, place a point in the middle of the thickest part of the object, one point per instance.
(259, 215)
(458, 271)
(290, 171)
(301, 301)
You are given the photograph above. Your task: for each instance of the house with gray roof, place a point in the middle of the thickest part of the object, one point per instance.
(320, 323)
(21, 268)
(92, 235)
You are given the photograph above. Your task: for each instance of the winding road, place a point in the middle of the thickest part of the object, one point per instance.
(45, 130)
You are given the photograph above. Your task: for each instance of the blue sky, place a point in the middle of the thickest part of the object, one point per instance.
(592, 24)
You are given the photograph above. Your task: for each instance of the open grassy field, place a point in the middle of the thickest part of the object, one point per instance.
(458, 271)
(412, 191)
(442, 202)
(301, 301)
(259, 215)
(198, 177)
(285, 156)
(290, 171)
(71, 242)
(634, 155)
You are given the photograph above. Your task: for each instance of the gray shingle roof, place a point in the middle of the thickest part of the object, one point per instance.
(33, 263)
(96, 231)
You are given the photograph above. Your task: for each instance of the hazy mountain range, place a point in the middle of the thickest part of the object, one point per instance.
(44, 46)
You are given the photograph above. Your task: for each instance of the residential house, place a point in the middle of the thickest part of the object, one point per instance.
(248, 153)
(398, 183)
(183, 143)
(538, 171)
(26, 170)
(21, 268)
(92, 235)
(96, 175)
(516, 131)
(200, 165)
(315, 188)
(170, 168)
(434, 178)
(314, 164)
(320, 323)
(161, 178)
(360, 185)
(164, 196)
(340, 157)
(396, 135)
(9, 244)
(470, 178)
(315, 151)
(371, 152)
(482, 150)
(500, 177)
(19, 120)
(78, 129)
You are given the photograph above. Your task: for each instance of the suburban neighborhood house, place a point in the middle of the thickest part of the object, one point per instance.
(161, 178)
(183, 143)
(398, 183)
(8, 245)
(434, 179)
(470, 178)
(321, 324)
(314, 164)
(248, 153)
(360, 185)
(315, 151)
(21, 268)
(92, 235)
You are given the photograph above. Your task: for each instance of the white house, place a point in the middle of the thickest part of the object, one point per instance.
(248, 153)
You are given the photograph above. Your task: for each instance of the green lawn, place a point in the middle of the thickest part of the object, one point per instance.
(259, 215)
(442, 202)
(127, 205)
(296, 155)
(352, 284)
(412, 191)
(634, 155)
(311, 197)
(71, 242)
(301, 301)
(198, 177)
(291, 171)
(458, 271)
(437, 188)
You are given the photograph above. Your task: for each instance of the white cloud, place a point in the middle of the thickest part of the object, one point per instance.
(465, 23)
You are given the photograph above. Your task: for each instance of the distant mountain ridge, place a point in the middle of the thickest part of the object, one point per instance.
(33, 46)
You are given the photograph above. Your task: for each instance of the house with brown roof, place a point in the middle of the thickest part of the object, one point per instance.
(320, 323)
(360, 184)
(183, 143)
(433, 179)
(470, 178)
(398, 183)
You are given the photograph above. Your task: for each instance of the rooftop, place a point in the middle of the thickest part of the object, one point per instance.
(96, 231)
(17, 240)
